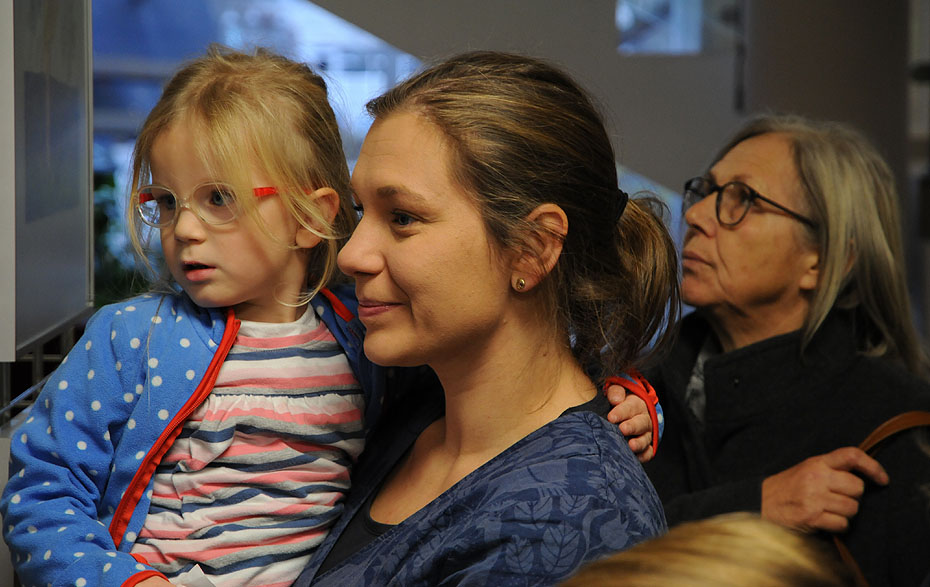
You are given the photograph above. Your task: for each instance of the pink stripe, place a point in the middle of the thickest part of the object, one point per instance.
(321, 333)
(205, 489)
(284, 369)
(285, 383)
(205, 555)
(308, 418)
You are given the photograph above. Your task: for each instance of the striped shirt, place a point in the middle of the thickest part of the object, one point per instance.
(257, 476)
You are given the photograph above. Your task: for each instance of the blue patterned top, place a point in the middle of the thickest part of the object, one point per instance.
(570, 492)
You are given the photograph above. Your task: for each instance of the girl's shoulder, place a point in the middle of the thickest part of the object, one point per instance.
(139, 314)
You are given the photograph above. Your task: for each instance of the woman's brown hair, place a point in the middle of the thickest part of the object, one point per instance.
(523, 133)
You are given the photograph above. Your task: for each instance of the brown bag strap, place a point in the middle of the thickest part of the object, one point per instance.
(890, 427)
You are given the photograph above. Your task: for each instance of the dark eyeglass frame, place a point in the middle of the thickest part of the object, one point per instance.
(142, 197)
(698, 188)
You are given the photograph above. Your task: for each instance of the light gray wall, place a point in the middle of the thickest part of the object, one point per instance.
(829, 58)
(668, 112)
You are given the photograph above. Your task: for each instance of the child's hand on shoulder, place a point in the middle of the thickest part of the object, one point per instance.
(632, 414)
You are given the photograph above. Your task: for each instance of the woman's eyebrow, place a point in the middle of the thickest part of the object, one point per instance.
(395, 191)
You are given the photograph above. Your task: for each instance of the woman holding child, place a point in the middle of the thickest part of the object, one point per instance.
(495, 247)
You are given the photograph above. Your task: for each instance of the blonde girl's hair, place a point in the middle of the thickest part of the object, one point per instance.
(523, 133)
(731, 550)
(850, 194)
(256, 111)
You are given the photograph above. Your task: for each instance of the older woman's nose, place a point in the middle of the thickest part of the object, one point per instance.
(702, 215)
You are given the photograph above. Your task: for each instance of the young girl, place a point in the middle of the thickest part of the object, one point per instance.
(209, 432)
(206, 433)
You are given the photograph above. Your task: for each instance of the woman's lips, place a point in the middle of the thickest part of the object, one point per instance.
(371, 308)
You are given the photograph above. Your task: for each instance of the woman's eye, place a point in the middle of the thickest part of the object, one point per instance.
(402, 219)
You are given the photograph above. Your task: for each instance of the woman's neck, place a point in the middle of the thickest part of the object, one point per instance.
(518, 383)
(736, 330)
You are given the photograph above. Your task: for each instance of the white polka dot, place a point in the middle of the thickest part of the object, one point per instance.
(139, 455)
(119, 312)
(320, 310)
(87, 345)
(131, 536)
(22, 473)
(130, 308)
(212, 344)
(140, 567)
(69, 415)
(90, 374)
(153, 362)
(107, 567)
(119, 366)
(65, 360)
(48, 430)
(112, 334)
(134, 343)
(78, 554)
(149, 493)
(95, 406)
(190, 374)
(46, 403)
(185, 342)
(32, 529)
(31, 418)
(93, 472)
(178, 319)
(162, 415)
(62, 529)
(89, 537)
(81, 582)
(47, 555)
(131, 424)
(62, 385)
(81, 445)
(111, 554)
(15, 498)
(46, 484)
(140, 388)
(69, 512)
(106, 435)
(24, 438)
(128, 397)
(156, 319)
(156, 381)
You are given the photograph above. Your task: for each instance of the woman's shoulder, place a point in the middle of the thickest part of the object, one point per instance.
(580, 454)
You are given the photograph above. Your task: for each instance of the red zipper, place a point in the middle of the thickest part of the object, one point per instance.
(140, 480)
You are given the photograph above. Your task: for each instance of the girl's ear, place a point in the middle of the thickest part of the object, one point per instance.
(543, 246)
(327, 201)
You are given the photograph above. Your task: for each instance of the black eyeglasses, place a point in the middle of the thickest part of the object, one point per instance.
(734, 199)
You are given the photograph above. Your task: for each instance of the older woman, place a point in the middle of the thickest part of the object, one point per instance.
(495, 247)
(801, 344)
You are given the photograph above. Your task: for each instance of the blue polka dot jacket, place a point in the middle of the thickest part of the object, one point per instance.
(82, 465)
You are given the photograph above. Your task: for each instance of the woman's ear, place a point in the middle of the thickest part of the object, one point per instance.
(543, 246)
(810, 275)
(327, 201)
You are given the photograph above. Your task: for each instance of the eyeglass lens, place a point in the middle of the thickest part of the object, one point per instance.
(732, 202)
(214, 203)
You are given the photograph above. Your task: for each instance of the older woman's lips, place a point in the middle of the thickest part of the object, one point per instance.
(689, 258)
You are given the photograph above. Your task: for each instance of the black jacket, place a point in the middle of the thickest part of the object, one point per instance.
(769, 409)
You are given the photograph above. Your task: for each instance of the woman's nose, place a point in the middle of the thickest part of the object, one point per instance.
(702, 215)
(360, 256)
